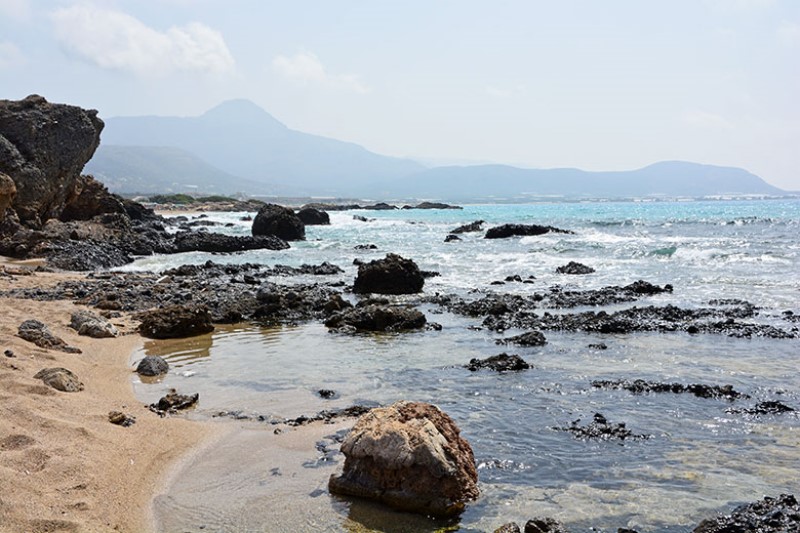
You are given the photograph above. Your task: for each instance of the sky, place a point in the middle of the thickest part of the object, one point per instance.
(597, 85)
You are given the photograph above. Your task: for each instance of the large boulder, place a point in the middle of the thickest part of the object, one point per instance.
(43, 148)
(391, 275)
(89, 324)
(91, 199)
(282, 222)
(60, 379)
(204, 241)
(39, 334)
(377, 318)
(175, 321)
(515, 230)
(314, 217)
(409, 456)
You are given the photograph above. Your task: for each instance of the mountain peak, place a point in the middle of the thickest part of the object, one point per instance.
(241, 111)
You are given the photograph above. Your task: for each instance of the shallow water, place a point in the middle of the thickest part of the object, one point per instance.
(698, 458)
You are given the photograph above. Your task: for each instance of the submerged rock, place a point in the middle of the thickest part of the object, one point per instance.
(499, 363)
(468, 228)
(600, 429)
(640, 386)
(531, 338)
(60, 379)
(175, 321)
(514, 230)
(377, 318)
(575, 269)
(391, 275)
(279, 221)
(770, 515)
(409, 456)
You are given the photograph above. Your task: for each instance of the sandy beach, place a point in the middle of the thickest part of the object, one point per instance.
(63, 465)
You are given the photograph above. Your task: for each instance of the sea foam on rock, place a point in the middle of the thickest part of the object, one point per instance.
(409, 456)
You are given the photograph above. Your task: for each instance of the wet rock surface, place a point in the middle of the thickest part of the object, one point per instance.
(202, 241)
(377, 318)
(499, 363)
(521, 230)
(409, 456)
(769, 407)
(173, 402)
(770, 515)
(152, 365)
(391, 275)
(175, 321)
(544, 525)
(60, 379)
(640, 386)
(278, 221)
(530, 338)
(313, 217)
(38, 333)
(601, 429)
(469, 228)
(91, 325)
(574, 268)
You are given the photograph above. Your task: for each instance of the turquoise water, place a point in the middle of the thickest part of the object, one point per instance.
(699, 458)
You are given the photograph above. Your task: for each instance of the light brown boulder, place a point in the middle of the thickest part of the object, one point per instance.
(409, 456)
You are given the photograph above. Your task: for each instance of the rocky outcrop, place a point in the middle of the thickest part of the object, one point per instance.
(471, 227)
(640, 386)
(175, 321)
(601, 429)
(91, 199)
(152, 365)
(574, 268)
(43, 148)
(60, 379)
(89, 324)
(770, 515)
(313, 217)
(531, 338)
(515, 230)
(377, 318)
(7, 193)
(203, 241)
(499, 363)
(391, 275)
(409, 456)
(279, 221)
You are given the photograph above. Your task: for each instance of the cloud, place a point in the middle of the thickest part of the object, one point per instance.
(15, 9)
(740, 5)
(504, 92)
(789, 34)
(10, 55)
(115, 40)
(706, 120)
(305, 68)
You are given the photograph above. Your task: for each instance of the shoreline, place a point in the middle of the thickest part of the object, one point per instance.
(71, 469)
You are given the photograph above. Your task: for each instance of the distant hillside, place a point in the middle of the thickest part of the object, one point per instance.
(243, 140)
(669, 178)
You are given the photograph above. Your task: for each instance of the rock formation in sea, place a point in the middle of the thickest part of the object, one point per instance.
(409, 456)
(279, 221)
(390, 275)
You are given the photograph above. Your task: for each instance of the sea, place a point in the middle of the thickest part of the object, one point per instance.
(701, 456)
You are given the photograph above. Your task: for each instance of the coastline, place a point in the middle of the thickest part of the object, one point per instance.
(70, 468)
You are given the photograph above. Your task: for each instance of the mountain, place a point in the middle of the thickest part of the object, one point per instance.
(241, 139)
(668, 178)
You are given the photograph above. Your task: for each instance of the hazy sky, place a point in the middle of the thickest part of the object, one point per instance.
(599, 85)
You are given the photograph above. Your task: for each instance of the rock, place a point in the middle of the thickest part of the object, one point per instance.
(574, 268)
(513, 230)
(601, 429)
(121, 419)
(7, 193)
(433, 205)
(60, 379)
(326, 394)
(89, 324)
(409, 456)
(173, 402)
(313, 217)
(9, 353)
(377, 318)
(43, 148)
(531, 338)
(362, 218)
(380, 206)
(544, 525)
(599, 346)
(279, 221)
(499, 363)
(201, 241)
(36, 332)
(647, 288)
(82, 256)
(471, 227)
(365, 247)
(451, 238)
(511, 527)
(175, 321)
(91, 199)
(640, 386)
(770, 515)
(391, 275)
(152, 365)
(770, 407)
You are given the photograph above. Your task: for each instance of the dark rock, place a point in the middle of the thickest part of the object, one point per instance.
(380, 206)
(175, 321)
(326, 394)
(83, 256)
(7, 193)
(451, 238)
(279, 221)
(196, 241)
(391, 275)
(89, 324)
(601, 429)
(471, 227)
(365, 247)
(511, 527)
(43, 148)
(377, 318)
(9, 353)
(640, 386)
(362, 218)
(765, 408)
(770, 515)
(544, 525)
(574, 268)
(173, 402)
(36, 332)
(121, 419)
(313, 217)
(60, 379)
(91, 199)
(409, 456)
(599, 346)
(152, 365)
(499, 363)
(531, 338)
(433, 205)
(644, 287)
(324, 269)
(515, 277)
(513, 230)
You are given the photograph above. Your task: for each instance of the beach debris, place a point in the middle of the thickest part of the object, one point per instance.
(410, 456)
(600, 429)
(575, 268)
(89, 324)
(314, 217)
(175, 321)
(515, 230)
(60, 379)
(531, 338)
(152, 365)
(173, 402)
(121, 419)
(390, 275)
(280, 221)
(770, 515)
(38, 333)
(375, 317)
(640, 386)
(499, 363)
